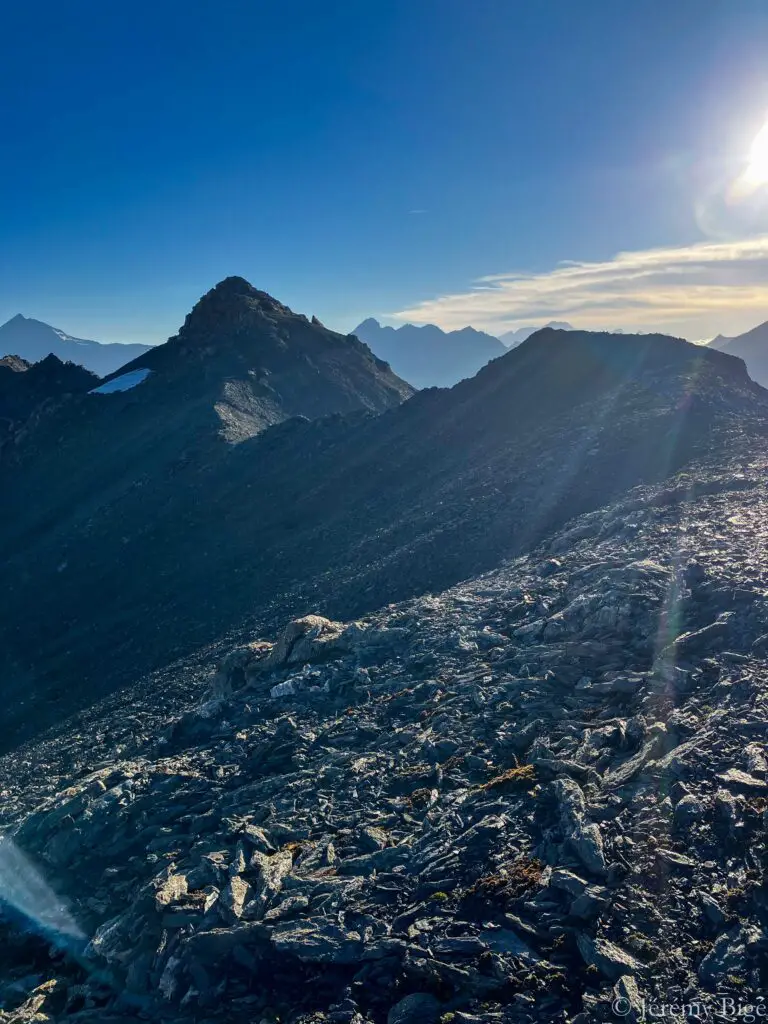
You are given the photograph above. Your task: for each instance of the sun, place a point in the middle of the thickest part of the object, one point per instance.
(756, 172)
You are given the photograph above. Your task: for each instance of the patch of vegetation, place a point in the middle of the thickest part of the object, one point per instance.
(520, 777)
(510, 883)
(420, 797)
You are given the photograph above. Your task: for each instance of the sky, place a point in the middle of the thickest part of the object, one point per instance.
(487, 162)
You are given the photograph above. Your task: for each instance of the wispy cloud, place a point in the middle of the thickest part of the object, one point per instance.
(696, 290)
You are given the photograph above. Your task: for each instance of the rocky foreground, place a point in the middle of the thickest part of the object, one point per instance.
(522, 799)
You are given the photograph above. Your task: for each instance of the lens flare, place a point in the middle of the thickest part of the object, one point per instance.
(24, 889)
(755, 174)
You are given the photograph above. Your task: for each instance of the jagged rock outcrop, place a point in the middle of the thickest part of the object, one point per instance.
(27, 389)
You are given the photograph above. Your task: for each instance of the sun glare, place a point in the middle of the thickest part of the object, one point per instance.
(757, 168)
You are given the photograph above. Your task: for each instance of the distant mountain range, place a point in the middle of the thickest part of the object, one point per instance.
(752, 347)
(33, 340)
(511, 339)
(428, 356)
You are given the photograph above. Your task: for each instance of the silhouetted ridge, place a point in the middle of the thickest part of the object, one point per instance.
(26, 387)
(752, 347)
(428, 356)
(568, 361)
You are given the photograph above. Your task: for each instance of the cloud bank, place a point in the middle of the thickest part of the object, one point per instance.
(695, 291)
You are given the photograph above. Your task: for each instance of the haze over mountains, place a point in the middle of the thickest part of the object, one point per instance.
(423, 355)
(428, 356)
(752, 347)
(33, 340)
(511, 339)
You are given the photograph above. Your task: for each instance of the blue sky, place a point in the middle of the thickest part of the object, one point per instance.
(382, 158)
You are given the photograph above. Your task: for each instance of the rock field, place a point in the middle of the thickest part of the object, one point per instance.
(518, 800)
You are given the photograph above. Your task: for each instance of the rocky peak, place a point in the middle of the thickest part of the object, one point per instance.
(14, 363)
(232, 303)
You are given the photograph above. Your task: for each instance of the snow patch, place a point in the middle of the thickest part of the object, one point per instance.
(124, 382)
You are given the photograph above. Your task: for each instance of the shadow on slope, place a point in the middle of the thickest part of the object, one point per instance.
(345, 514)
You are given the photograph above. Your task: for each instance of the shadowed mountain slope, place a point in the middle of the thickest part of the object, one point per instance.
(25, 388)
(252, 362)
(139, 561)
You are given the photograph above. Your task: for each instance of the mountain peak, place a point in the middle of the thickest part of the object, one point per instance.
(229, 306)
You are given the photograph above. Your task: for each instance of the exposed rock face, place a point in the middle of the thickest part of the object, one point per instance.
(268, 363)
(468, 803)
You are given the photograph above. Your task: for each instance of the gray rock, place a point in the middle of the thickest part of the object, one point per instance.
(734, 778)
(712, 910)
(317, 940)
(628, 1002)
(417, 1008)
(687, 811)
(727, 957)
(607, 957)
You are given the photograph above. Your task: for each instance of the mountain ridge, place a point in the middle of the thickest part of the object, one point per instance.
(26, 388)
(340, 514)
(427, 356)
(517, 336)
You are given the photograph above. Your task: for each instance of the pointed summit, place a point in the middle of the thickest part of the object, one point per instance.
(254, 362)
(231, 302)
